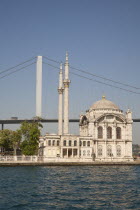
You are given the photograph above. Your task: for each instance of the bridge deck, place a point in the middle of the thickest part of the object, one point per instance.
(18, 121)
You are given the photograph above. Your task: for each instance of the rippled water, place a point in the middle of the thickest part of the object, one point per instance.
(91, 187)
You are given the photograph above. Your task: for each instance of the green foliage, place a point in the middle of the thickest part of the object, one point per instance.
(30, 137)
(26, 138)
(10, 139)
(5, 139)
(15, 140)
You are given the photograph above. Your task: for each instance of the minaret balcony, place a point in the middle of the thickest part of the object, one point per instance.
(66, 82)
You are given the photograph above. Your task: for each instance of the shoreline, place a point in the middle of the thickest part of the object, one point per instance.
(12, 164)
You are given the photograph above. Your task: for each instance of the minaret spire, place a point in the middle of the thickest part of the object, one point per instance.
(60, 105)
(61, 77)
(66, 83)
(67, 57)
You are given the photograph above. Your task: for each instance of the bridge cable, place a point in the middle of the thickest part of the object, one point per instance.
(50, 59)
(16, 70)
(131, 91)
(1, 72)
(101, 77)
(95, 75)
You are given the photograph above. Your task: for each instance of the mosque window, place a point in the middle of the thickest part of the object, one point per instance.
(88, 143)
(109, 117)
(109, 151)
(64, 152)
(64, 143)
(84, 152)
(109, 133)
(80, 143)
(118, 133)
(118, 150)
(88, 153)
(57, 142)
(100, 132)
(70, 143)
(118, 119)
(84, 143)
(75, 152)
(100, 150)
(49, 143)
(75, 143)
(101, 119)
(53, 143)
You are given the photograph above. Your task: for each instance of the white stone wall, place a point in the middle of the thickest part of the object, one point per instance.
(104, 149)
(117, 119)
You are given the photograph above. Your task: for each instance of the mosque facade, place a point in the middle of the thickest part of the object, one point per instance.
(105, 132)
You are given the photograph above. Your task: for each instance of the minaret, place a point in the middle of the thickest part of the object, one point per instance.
(66, 96)
(60, 105)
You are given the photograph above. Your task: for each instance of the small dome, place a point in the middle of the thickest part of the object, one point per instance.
(104, 104)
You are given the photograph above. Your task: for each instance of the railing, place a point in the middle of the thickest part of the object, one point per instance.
(39, 159)
(21, 158)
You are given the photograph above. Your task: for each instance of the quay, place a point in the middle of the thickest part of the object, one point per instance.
(39, 161)
(13, 164)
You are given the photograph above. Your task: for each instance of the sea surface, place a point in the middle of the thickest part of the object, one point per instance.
(70, 187)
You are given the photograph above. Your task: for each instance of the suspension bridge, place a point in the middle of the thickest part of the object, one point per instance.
(39, 60)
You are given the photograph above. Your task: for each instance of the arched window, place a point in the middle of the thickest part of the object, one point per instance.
(64, 143)
(118, 150)
(53, 143)
(49, 143)
(109, 151)
(88, 153)
(84, 143)
(100, 132)
(88, 143)
(84, 152)
(100, 150)
(57, 142)
(70, 143)
(80, 143)
(118, 133)
(75, 143)
(109, 133)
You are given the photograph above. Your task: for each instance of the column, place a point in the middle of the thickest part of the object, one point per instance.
(67, 152)
(105, 140)
(39, 86)
(124, 148)
(72, 152)
(96, 150)
(105, 150)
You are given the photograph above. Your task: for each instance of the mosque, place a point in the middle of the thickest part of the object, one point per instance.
(105, 132)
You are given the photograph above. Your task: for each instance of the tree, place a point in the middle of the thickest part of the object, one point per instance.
(30, 137)
(10, 140)
(5, 136)
(15, 140)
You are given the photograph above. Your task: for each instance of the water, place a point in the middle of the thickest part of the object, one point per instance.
(77, 187)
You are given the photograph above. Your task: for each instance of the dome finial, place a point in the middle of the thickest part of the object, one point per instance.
(103, 97)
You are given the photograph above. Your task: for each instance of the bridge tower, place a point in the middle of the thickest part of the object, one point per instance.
(39, 86)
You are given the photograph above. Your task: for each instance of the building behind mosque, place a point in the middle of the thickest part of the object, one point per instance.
(105, 132)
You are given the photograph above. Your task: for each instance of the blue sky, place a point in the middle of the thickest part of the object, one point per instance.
(101, 36)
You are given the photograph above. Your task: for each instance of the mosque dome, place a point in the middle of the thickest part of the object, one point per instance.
(104, 104)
